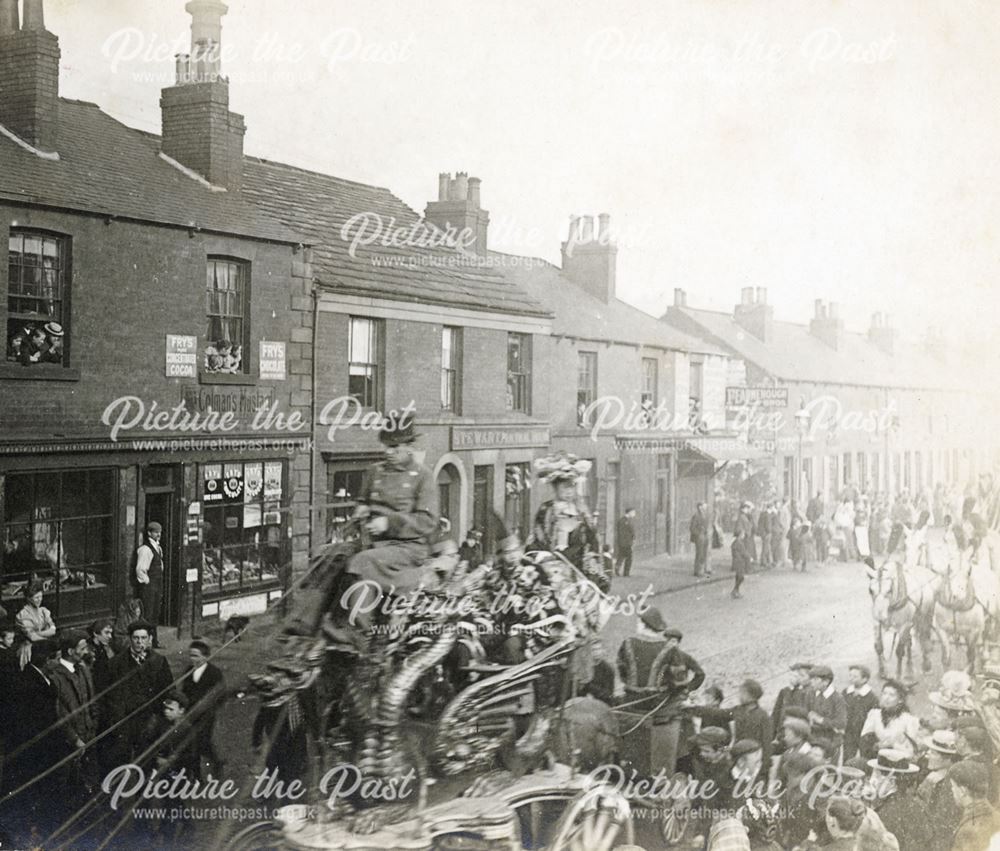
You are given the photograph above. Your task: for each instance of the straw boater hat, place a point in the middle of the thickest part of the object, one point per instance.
(892, 761)
(943, 741)
(54, 329)
(955, 692)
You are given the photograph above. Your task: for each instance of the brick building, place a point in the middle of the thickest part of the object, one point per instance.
(606, 362)
(865, 409)
(142, 289)
(405, 324)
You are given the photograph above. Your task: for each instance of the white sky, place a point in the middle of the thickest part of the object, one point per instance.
(733, 142)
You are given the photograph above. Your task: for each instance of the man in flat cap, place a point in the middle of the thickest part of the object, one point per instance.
(149, 576)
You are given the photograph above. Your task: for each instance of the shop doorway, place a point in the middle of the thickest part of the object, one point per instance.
(160, 490)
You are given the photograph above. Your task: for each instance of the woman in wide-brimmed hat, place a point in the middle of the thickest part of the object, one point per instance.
(563, 523)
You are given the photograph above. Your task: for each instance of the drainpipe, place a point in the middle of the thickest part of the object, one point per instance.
(312, 421)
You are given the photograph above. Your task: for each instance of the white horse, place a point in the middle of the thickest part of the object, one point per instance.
(903, 595)
(968, 601)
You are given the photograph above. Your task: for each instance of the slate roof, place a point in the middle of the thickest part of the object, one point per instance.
(795, 354)
(107, 168)
(580, 314)
(318, 205)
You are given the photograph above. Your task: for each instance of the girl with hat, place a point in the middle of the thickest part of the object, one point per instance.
(563, 523)
(34, 619)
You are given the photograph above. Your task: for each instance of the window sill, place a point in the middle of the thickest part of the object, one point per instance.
(225, 378)
(38, 372)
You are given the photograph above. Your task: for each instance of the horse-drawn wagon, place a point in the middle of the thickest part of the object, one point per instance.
(466, 695)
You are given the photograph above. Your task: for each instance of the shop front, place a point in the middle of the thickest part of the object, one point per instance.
(72, 521)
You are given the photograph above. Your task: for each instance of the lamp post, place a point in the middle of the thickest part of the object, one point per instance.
(802, 421)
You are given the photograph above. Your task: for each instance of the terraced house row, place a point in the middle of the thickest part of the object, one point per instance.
(190, 339)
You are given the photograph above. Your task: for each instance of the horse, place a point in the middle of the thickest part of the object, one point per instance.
(902, 591)
(967, 603)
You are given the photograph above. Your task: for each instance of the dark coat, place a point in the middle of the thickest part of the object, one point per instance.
(75, 705)
(136, 697)
(101, 667)
(209, 689)
(834, 712)
(858, 707)
(752, 722)
(624, 534)
(741, 556)
(700, 526)
(35, 702)
(788, 696)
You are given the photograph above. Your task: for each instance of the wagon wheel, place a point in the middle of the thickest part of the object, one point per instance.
(592, 822)
(674, 825)
(262, 836)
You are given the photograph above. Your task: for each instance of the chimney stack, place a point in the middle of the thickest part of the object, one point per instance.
(754, 314)
(199, 131)
(589, 257)
(9, 22)
(826, 325)
(459, 209)
(680, 297)
(29, 75)
(882, 334)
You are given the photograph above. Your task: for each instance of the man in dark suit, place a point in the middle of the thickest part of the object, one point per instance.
(701, 527)
(791, 695)
(860, 700)
(752, 722)
(76, 710)
(204, 686)
(141, 677)
(624, 539)
(826, 706)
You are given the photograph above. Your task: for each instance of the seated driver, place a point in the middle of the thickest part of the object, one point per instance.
(401, 513)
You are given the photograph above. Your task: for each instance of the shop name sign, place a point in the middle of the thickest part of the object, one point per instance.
(242, 400)
(762, 397)
(506, 437)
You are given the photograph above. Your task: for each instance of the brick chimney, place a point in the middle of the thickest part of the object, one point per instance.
(754, 314)
(199, 131)
(589, 256)
(29, 75)
(458, 209)
(827, 324)
(881, 333)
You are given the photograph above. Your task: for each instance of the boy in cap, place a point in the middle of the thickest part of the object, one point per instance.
(794, 694)
(970, 783)
(149, 576)
(859, 700)
(752, 722)
(827, 709)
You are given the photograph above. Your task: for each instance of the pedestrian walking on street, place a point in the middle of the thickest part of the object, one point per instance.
(741, 560)
(624, 539)
(764, 531)
(779, 533)
(149, 576)
(204, 686)
(701, 528)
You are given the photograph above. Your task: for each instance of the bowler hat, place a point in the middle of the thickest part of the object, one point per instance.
(397, 429)
(652, 618)
(892, 761)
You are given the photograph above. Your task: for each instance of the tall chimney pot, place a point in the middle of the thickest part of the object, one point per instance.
(746, 295)
(461, 185)
(474, 184)
(444, 181)
(9, 22)
(604, 228)
(680, 297)
(587, 229)
(34, 16)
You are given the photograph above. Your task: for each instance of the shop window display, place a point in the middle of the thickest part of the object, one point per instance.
(58, 529)
(243, 525)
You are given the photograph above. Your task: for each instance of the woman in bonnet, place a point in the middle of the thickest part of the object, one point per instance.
(563, 524)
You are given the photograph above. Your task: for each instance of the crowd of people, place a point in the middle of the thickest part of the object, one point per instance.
(836, 765)
(77, 704)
